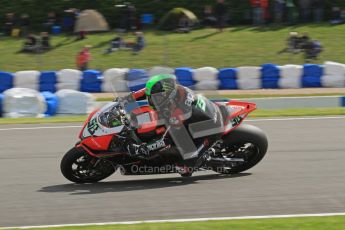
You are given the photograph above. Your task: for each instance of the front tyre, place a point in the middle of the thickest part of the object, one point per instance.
(247, 143)
(79, 167)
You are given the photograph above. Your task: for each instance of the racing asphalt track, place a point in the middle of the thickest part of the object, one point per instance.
(303, 172)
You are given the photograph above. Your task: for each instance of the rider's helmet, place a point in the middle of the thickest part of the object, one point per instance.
(160, 90)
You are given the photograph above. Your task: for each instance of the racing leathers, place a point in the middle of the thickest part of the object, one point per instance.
(195, 123)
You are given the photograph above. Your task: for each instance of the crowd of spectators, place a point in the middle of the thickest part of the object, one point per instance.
(218, 14)
(288, 11)
(275, 11)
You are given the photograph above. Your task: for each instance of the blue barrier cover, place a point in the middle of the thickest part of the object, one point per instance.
(91, 81)
(95, 87)
(270, 76)
(48, 77)
(184, 74)
(6, 81)
(311, 81)
(270, 71)
(50, 87)
(312, 70)
(52, 103)
(227, 73)
(92, 76)
(136, 74)
(312, 75)
(137, 85)
(228, 84)
(1, 99)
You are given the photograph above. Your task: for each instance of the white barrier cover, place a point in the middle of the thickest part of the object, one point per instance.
(21, 102)
(207, 85)
(205, 74)
(249, 83)
(337, 81)
(68, 85)
(113, 79)
(291, 71)
(26, 79)
(115, 86)
(334, 68)
(114, 74)
(69, 76)
(160, 70)
(249, 77)
(74, 102)
(290, 82)
(248, 72)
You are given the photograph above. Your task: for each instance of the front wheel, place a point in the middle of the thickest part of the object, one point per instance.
(79, 167)
(244, 148)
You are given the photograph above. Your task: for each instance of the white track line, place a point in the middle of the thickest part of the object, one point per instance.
(180, 220)
(251, 120)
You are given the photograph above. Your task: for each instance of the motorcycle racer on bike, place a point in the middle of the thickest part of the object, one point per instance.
(195, 123)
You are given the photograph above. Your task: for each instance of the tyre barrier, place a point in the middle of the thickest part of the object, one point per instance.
(267, 76)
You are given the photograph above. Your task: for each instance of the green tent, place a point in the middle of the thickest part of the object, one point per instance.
(172, 19)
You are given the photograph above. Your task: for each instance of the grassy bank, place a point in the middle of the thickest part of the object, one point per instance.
(236, 46)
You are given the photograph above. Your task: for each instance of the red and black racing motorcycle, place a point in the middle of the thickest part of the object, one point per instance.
(99, 153)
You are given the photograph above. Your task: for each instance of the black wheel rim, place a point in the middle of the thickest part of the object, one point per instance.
(85, 168)
(246, 151)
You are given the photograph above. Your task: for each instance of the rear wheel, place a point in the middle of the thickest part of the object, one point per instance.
(79, 167)
(243, 148)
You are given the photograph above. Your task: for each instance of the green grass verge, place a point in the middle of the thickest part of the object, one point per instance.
(9, 121)
(297, 112)
(256, 114)
(236, 46)
(307, 223)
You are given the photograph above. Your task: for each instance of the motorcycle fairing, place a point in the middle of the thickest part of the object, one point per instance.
(238, 111)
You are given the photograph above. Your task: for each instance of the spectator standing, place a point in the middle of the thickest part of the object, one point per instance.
(305, 10)
(130, 17)
(318, 6)
(209, 19)
(279, 6)
(83, 58)
(9, 24)
(51, 21)
(291, 12)
(258, 12)
(336, 16)
(24, 25)
(220, 11)
(69, 19)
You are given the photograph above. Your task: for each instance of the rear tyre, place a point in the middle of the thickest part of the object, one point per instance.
(246, 142)
(79, 167)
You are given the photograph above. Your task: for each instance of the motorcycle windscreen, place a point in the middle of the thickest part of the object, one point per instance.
(103, 122)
